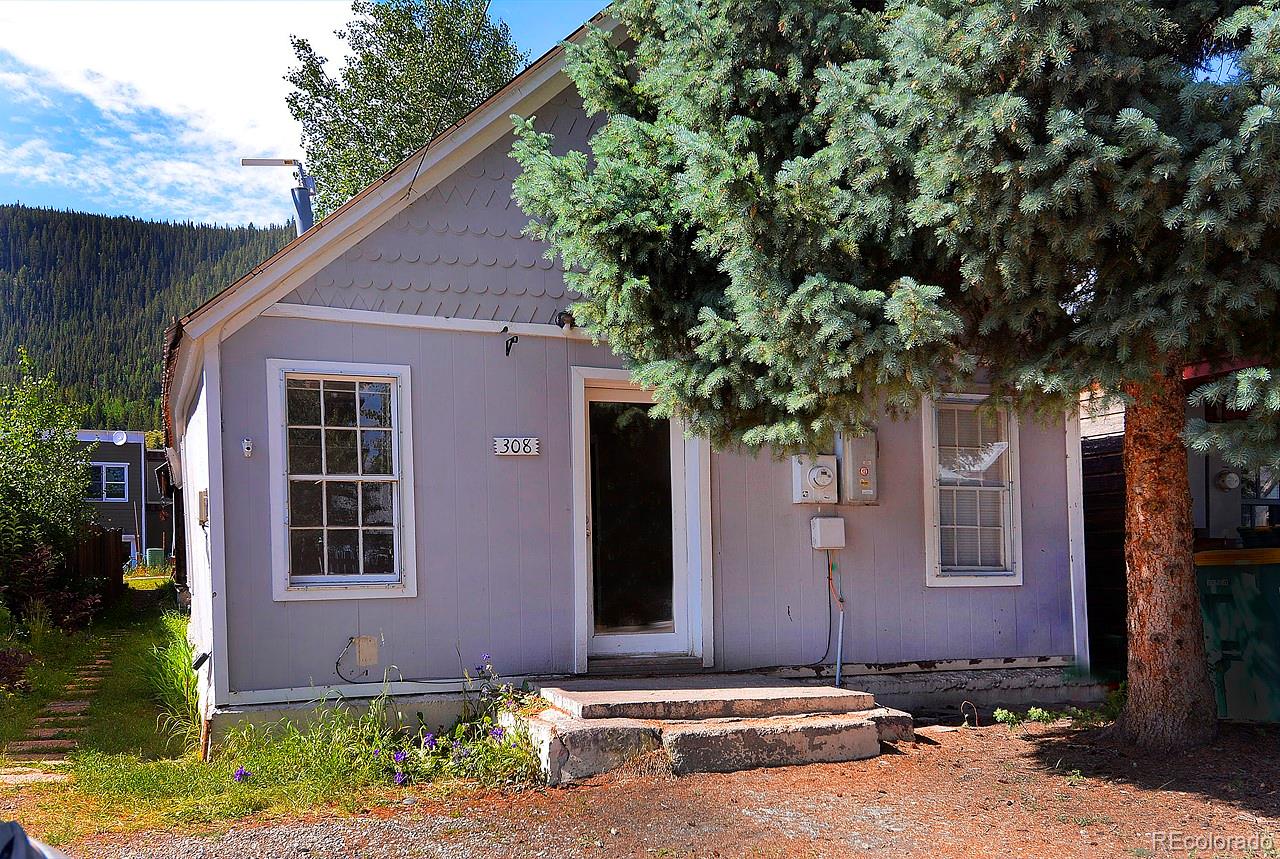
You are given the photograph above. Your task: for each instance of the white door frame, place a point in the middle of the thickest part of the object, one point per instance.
(694, 537)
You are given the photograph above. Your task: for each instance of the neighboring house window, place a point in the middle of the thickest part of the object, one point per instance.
(971, 494)
(345, 496)
(108, 481)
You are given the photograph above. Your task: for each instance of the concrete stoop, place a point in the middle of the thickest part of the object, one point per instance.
(704, 724)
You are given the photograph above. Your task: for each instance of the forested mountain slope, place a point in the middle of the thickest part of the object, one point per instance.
(89, 296)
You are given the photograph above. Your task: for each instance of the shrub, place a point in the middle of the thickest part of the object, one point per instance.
(174, 683)
(42, 576)
(13, 669)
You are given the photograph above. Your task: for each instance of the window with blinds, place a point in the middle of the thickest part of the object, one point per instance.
(973, 459)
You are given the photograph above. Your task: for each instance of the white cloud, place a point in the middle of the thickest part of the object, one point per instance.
(24, 87)
(214, 68)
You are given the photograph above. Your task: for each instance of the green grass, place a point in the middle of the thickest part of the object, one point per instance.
(173, 683)
(57, 655)
(122, 715)
(134, 772)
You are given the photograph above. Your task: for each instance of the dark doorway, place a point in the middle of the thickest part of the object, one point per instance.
(1103, 465)
(631, 537)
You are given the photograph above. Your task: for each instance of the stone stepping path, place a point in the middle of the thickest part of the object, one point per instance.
(54, 732)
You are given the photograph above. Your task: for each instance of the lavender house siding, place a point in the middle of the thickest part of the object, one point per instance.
(771, 590)
(494, 553)
(458, 251)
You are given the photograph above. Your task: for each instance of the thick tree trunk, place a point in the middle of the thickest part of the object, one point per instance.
(1171, 702)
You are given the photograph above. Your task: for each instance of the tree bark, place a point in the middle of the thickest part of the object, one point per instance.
(1171, 702)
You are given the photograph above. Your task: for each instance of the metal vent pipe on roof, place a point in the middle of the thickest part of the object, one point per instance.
(301, 193)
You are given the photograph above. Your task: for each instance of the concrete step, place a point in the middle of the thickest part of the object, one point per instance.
(730, 745)
(571, 748)
(700, 697)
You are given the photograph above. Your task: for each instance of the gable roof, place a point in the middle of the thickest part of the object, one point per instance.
(385, 197)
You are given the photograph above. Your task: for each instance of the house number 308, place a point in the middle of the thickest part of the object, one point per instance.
(515, 446)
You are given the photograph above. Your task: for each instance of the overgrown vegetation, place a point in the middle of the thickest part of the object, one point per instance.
(173, 682)
(44, 479)
(343, 754)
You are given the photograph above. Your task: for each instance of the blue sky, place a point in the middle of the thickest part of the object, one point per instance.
(144, 108)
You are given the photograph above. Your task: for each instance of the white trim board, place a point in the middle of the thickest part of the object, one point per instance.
(934, 577)
(282, 588)
(1075, 539)
(697, 522)
(220, 671)
(432, 323)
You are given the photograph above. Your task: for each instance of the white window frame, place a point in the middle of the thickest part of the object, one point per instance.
(346, 587)
(103, 483)
(935, 577)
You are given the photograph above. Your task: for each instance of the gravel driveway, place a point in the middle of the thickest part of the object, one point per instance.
(1051, 791)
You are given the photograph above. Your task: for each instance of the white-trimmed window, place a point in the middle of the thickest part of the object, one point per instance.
(342, 494)
(971, 494)
(108, 481)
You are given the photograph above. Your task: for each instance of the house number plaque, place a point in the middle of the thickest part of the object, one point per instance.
(515, 447)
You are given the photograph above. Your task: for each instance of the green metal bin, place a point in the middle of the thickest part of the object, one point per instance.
(155, 557)
(1240, 602)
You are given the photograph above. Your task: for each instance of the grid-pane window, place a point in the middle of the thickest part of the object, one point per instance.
(974, 488)
(108, 481)
(343, 479)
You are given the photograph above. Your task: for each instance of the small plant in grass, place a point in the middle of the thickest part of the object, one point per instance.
(174, 683)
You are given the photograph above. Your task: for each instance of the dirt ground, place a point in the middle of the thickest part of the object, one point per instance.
(1043, 791)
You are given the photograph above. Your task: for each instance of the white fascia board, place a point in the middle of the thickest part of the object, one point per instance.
(187, 371)
(411, 320)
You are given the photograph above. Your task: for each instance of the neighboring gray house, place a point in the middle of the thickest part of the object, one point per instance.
(122, 488)
(378, 476)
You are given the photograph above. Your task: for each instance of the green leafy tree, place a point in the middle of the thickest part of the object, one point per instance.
(799, 210)
(415, 68)
(44, 471)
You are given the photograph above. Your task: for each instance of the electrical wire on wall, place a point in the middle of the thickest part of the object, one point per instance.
(836, 592)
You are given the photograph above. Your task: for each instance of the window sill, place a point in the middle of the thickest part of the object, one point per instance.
(962, 579)
(298, 593)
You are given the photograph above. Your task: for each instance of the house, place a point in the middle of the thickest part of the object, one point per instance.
(123, 493)
(396, 453)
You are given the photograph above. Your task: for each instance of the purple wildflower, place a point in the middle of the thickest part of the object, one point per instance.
(479, 669)
(486, 658)
(497, 733)
(377, 752)
(399, 757)
(401, 778)
(241, 774)
(429, 741)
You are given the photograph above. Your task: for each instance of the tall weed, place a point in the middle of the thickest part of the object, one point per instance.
(174, 683)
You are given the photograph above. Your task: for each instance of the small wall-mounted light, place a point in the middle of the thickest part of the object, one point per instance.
(246, 444)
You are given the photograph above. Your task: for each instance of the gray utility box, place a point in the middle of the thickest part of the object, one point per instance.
(859, 478)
